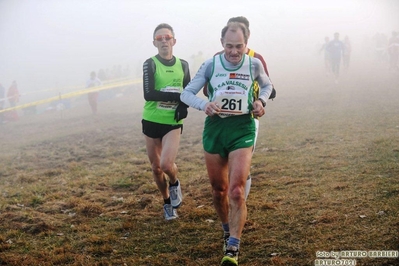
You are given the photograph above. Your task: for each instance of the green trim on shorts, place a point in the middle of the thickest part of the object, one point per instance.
(224, 135)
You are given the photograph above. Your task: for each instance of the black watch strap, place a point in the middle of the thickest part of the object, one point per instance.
(262, 101)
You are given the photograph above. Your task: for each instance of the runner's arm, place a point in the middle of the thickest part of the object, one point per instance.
(190, 91)
(263, 80)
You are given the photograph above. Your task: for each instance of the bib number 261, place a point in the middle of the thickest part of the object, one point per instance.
(231, 104)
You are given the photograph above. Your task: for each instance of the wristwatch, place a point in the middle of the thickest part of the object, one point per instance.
(262, 101)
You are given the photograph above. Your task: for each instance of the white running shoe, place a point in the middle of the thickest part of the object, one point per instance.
(176, 196)
(169, 212)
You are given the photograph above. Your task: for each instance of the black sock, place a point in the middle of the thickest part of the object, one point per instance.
(175, 184)
(166, 201)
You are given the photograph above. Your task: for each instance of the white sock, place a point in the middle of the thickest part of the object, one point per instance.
(248, 186)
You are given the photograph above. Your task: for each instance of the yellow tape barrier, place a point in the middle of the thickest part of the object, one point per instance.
(74, 94)
(77, 87)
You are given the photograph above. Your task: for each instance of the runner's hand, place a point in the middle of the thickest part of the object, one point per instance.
(181, 112)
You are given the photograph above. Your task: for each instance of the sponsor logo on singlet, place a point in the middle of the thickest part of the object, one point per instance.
(238, 76)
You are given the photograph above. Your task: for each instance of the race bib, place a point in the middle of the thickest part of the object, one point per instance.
(232, 102)
(168, 105)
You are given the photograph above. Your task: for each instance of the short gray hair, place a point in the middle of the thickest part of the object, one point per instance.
(164, 26)
(234, 27)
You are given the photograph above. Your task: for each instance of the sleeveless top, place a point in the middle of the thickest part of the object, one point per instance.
(232, 89)
(167, 79)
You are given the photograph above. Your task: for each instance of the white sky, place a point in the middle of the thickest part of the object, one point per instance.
(48, 43)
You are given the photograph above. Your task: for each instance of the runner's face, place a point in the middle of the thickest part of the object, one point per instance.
(163, 42)
(234, 46)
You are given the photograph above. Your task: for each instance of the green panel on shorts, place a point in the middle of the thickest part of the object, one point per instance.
(223, 135)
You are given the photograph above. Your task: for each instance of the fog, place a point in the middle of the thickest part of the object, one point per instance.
(46, 45)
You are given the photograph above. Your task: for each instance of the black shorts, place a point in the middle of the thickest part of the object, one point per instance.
(156, 130)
